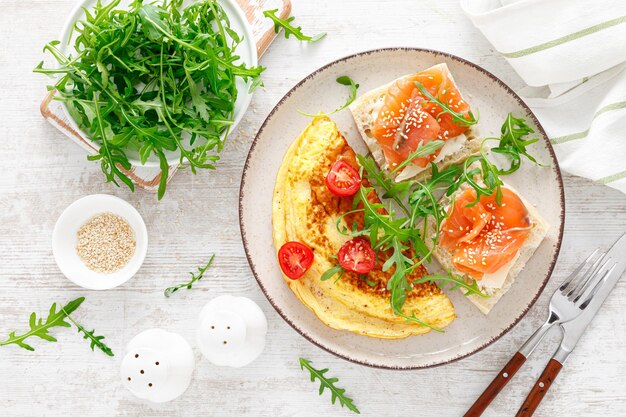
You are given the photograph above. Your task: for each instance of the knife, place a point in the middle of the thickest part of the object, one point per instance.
(573, 330)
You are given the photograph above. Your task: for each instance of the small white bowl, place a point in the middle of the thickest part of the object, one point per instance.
(64, 238)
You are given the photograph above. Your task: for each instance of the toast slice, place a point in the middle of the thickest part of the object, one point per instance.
(365, 110)
(535, 237)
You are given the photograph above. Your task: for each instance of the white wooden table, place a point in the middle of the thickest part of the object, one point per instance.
(43, 172)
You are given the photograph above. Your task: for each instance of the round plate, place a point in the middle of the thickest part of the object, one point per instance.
(246, 50)
(472, 330)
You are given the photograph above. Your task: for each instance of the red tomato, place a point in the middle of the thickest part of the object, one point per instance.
(295, 259)
(343, 180)
(357, 255)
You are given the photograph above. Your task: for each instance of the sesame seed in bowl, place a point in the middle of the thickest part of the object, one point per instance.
(106, 243)
(99, 242)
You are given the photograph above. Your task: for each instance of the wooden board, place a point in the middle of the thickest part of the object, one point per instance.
(149, 178)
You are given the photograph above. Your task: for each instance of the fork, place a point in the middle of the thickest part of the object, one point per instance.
(567, 303)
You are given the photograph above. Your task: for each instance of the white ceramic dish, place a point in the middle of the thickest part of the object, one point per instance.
(158, 365)
(471, 331)
(246, 50)
(64, 241)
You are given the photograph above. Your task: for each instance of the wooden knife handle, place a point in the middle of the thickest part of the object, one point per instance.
(539, 390)
(505, 375)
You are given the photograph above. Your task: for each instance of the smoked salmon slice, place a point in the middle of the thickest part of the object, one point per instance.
(407, 118)
(486, 236)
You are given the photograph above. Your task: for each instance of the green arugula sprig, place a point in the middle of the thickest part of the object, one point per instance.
(152, 79)
(458, 118)
(421, 151)
(399, 284)
(326, 382)
(452, 282)
(369, 282)
(194, 278)
(40, 328)
(393, 190)
(484, 175)
(424, 199)
(343, 80)
(335, 270)
(289, 29)
(96, 341)
(512, 144)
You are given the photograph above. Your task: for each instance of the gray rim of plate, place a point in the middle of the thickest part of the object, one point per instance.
(512, 93)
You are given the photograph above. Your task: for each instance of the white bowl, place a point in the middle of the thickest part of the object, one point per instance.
(64, 241)
(246, 50)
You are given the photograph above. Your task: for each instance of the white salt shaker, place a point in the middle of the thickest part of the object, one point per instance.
(158, 365)
(232, 331)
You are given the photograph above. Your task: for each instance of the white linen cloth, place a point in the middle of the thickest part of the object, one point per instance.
(572, 56)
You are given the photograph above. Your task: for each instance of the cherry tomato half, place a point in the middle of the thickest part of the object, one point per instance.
(357, 255)
(343, 180)
(295, 259)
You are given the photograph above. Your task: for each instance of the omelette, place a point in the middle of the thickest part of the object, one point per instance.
(305, 211)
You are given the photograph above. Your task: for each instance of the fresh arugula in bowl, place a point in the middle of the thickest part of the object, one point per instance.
(152, 79)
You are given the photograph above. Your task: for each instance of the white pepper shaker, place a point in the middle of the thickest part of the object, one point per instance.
(232, 331)
(158, 365)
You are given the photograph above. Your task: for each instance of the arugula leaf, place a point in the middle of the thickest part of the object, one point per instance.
(398, 284)
(289, 28)
(109, 155)
(512, 144)
(421, 151)
(343, 80)
(394, 190)
(413, 319)
(447, 179)
(152, 78)
(453, 282)
(151, 21)
(432, 208)
(375, 214)
(194, 278)
(337, 269)
(39, 327)
(363, 277)
(96, 341)
(326, 382)
(458, 118)
(483, 177)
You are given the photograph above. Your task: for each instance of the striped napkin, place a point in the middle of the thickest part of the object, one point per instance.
(572, 56)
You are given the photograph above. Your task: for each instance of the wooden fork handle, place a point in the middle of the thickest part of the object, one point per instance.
(539, 390)
(496, 385)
